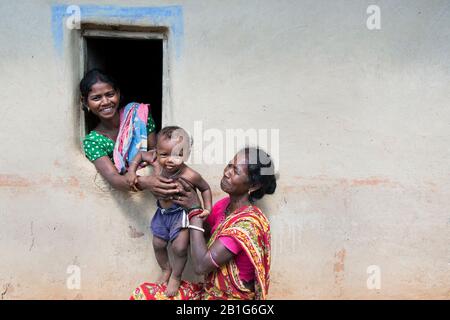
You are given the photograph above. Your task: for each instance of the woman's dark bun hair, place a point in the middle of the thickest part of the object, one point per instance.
(261, 172)
(92, 77)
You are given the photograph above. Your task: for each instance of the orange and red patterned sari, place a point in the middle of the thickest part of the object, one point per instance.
(251, 229)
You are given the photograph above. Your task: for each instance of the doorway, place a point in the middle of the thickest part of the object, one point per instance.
(135, 60)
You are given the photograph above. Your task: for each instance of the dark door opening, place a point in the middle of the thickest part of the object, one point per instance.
(136, 64)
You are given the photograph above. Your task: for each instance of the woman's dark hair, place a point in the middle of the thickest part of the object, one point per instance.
(260, 172)
(90, 78)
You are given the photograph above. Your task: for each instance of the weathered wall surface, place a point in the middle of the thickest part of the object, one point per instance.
(364, 135)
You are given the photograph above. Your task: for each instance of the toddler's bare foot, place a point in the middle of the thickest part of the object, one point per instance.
(172, 287)
(164, 277)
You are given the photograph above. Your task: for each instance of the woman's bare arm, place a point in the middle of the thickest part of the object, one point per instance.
(202, 257)
(108, 171)
(151, 141)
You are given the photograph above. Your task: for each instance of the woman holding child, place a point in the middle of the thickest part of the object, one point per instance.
(236, 259)
(100, 97)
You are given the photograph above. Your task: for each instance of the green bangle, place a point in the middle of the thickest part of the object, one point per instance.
(194, 208)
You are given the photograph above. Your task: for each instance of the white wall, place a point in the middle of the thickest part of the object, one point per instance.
(364, 134)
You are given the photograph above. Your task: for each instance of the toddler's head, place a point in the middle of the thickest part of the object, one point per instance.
(173, 148)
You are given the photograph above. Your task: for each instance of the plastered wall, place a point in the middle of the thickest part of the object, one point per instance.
(363, 149)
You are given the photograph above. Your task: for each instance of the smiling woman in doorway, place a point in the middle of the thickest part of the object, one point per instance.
(114, 125)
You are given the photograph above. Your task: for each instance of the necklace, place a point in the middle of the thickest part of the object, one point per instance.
(107, 133)
(227, 211)
(171, 176)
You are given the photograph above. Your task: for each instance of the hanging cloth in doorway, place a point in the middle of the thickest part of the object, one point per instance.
(132, 136)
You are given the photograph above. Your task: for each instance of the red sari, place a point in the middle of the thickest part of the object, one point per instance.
(251, 229)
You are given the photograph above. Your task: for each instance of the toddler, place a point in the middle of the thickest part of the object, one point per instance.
(172, 150)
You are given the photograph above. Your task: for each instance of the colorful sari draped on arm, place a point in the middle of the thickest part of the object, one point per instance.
(251, 229)
(132, 136)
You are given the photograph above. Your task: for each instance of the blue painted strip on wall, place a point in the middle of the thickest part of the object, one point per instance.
(171, 16)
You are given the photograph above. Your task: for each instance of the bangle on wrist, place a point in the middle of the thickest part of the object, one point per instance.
(196, 228)
(212, 260)
(194, 213)
(194, 208)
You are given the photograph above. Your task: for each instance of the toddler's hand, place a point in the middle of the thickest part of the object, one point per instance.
(204, 214)
(149, 158)
(131, 179)
(152, 153)
(143, 164)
